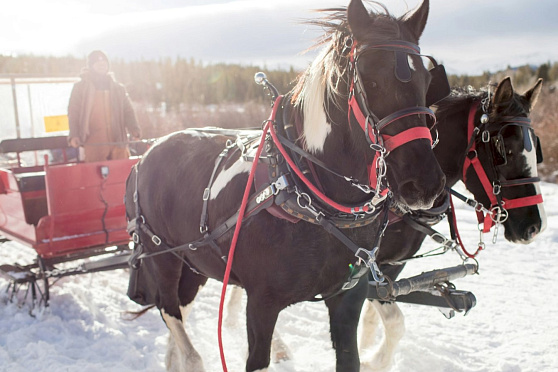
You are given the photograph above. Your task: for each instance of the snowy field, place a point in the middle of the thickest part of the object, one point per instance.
(513, 328)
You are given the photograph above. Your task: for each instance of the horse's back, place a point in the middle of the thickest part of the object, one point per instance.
(172, 177)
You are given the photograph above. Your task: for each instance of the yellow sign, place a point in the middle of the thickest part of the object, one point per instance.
(56, 123)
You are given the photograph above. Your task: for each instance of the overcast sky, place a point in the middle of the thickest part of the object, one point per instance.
(468, 36)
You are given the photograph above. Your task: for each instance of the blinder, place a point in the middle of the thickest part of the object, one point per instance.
(540, 157)
(439, 87)
(498, 145)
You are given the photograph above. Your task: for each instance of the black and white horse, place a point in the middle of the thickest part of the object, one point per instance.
(362, 122)
(505, 177)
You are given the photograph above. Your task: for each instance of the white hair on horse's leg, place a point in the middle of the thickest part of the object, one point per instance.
(234, 306)
(181, 355)
(172, 357)
(185, 311)
(368, 325)
(394, 328)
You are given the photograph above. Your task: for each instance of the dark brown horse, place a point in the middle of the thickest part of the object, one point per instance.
(360, 110)
(508, 153)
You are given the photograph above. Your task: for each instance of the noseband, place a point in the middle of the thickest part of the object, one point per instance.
(497, 212)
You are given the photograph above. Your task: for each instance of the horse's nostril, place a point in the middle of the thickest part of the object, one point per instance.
(531, 232)
(421, 195)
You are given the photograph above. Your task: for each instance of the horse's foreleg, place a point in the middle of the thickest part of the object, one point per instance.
(279, 350)
(344, 314)
(261, 316)
(181, 354)
(394, 328)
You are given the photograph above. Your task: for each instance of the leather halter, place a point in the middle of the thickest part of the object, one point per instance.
(368, 121)
(498, 203)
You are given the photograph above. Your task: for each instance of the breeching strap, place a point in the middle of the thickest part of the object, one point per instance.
(237, 230)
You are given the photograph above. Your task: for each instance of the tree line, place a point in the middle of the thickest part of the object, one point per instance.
(177, 82)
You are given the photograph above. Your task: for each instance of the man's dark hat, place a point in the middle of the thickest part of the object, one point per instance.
(96, 56)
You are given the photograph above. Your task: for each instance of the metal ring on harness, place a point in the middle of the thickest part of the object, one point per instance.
(496, 214)
(306, 197)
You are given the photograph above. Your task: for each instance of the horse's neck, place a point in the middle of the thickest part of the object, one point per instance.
(450, 151)
(329, 137)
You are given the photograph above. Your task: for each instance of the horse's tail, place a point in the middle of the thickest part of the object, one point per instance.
(133, 315)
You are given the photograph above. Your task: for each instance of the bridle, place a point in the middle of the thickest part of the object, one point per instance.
(497, 212)
(372, 126)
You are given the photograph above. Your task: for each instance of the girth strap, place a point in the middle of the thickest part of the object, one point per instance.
(207, 191)
(256, 204)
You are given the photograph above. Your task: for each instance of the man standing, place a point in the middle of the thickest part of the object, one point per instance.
(100, 113)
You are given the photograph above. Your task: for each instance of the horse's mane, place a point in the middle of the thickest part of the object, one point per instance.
(328, 76)
(331, 64)
(461, 97)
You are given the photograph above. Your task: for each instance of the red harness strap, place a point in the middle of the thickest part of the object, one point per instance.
(238, 226)
(472, 160)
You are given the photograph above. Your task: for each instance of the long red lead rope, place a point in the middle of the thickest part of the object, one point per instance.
(237, 231)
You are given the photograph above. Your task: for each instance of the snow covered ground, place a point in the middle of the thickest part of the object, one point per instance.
(513, 328)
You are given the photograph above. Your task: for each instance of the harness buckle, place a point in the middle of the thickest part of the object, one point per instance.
(156, 240)
(280, 184)
(485, 136)
(135, 238)
(496, 187)
(206, 193)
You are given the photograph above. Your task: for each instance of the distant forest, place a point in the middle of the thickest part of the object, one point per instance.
(177, 82)
(173, 94)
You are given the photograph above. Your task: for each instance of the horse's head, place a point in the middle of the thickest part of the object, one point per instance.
(392, 82)
(509, 151)
(370, 78)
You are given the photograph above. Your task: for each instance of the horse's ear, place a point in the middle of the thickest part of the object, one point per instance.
(532, 94)
(359, 19)
(416, 20)
(504, 91)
